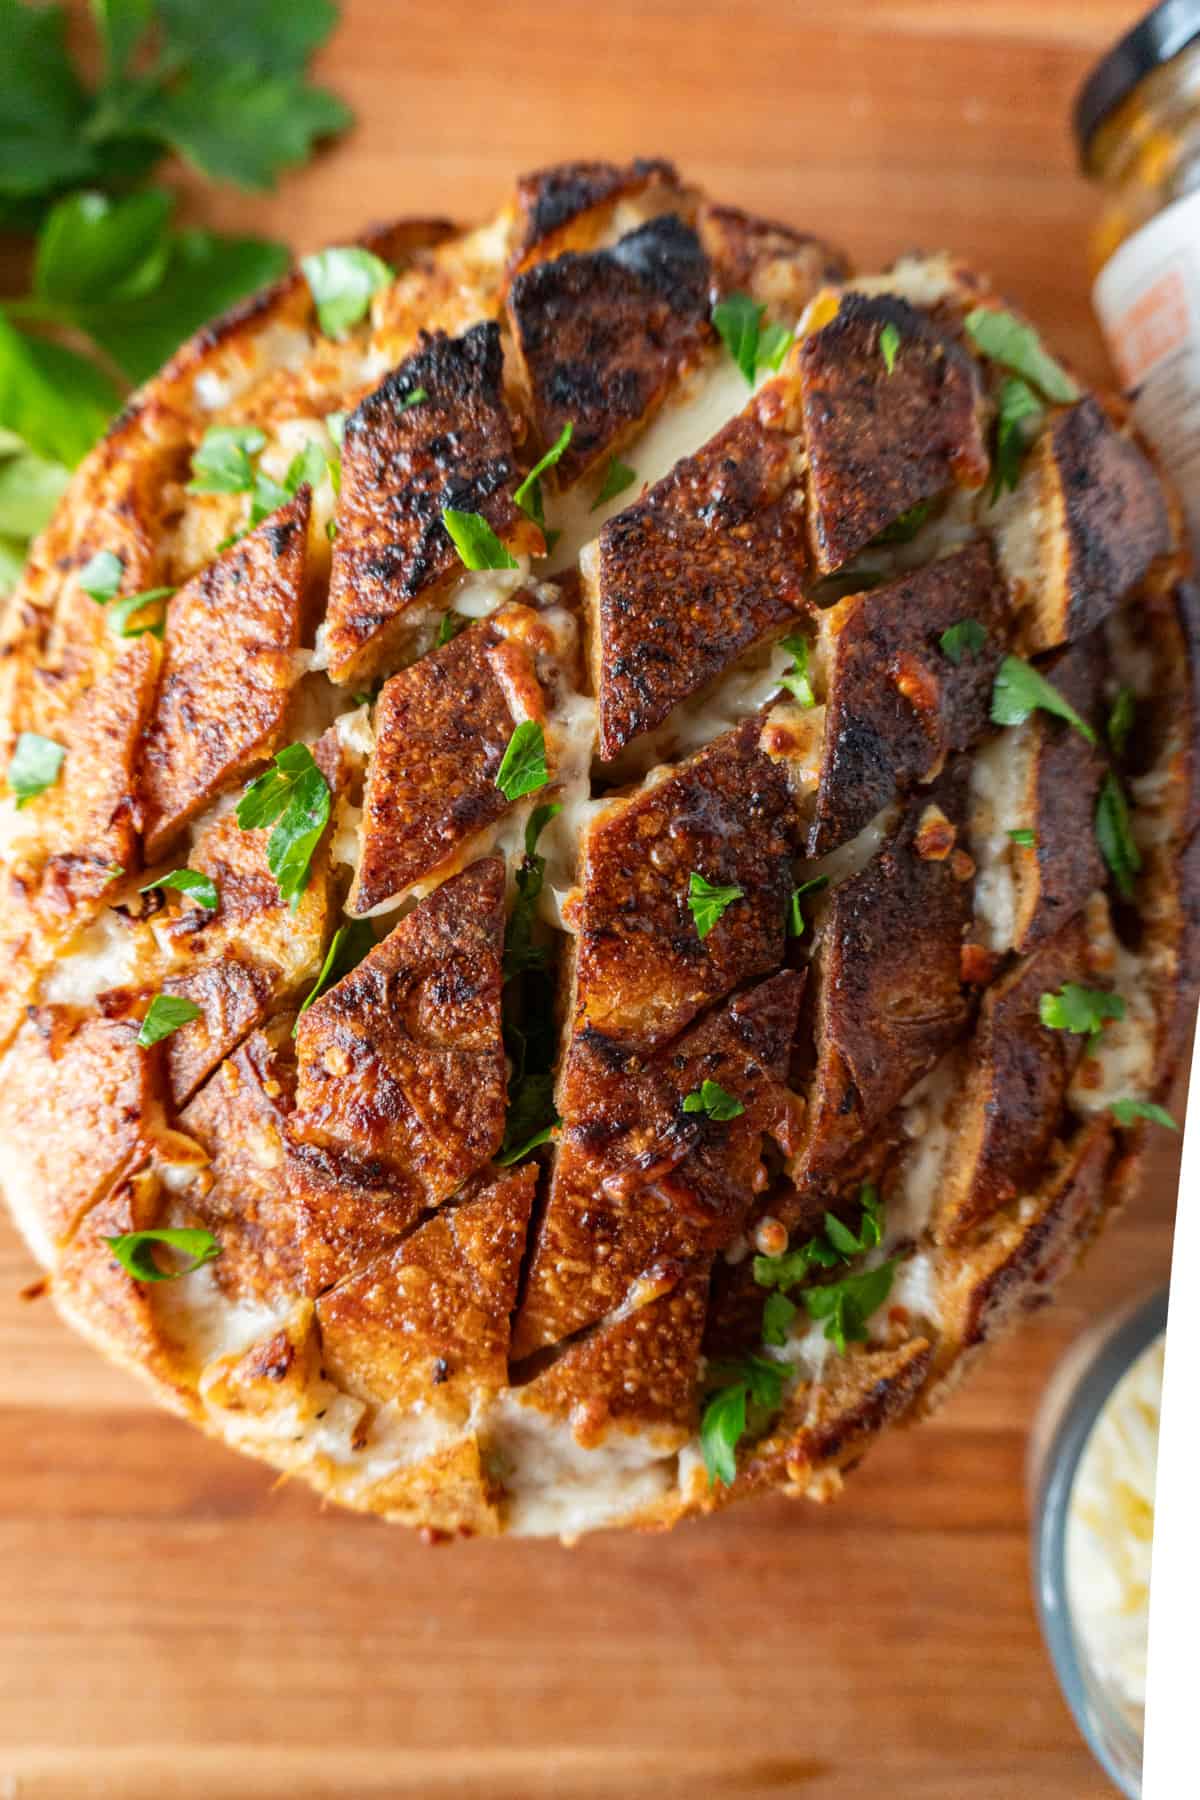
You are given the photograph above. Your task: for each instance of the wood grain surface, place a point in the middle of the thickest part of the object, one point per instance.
(172, 1624)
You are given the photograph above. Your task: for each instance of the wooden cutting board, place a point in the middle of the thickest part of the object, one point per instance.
(171, 1623)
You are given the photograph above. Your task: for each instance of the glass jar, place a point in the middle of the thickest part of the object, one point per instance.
(1079, 1390)
(1137, 124)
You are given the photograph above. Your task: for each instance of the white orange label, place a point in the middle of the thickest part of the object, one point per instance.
(1147, 297)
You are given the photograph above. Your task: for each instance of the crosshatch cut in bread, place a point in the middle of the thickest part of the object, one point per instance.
(620, 907)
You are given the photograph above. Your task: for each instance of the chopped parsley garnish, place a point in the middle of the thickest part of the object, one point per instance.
(778, 1315)
(165, 1014)
(889, 345)
(1007, 340)
(200, 888)
(418, 397)
(1021, 690)
(904, 528)
(617, 477)
(477, 544)
(520, 951)
(1126, 1111)
(723, 1423)
(1023, 836)
(967, 637)
(351, 942)
(449, 626)
(1081, 1010)
(34, 766)
(335, 423)
(343, 282)
(134, 1250)
(140, 615)
(1018, 416)
(752, 345)
(795, 917)
(1115, 836)
(714, 1101)
(101, 576)
(707, 901)
(1120, 721)
(529, 495)
(293, 796)
(307, 466)
(523, 766)
(221, 462)
(531, 1118)
(846, 1305)
(836, 1244)
(797, 680)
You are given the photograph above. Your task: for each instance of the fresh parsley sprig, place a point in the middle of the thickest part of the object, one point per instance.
(1021, 689)
(200, 888)
(343, 281)
(617, 477)
(723, 1424)
(1084, 1011)
(293, 796)
(1126, 1111)
(797, 679)
(714, 1101)
(1114, 835)
(477, 544)
(165, 1014)
(347, 947)
(529, 495)
(752, 344)
(966, 638)
(523, 768)
(796, 923)
(520, 951)
(708, 900)
(134, 1250)
(34, 766)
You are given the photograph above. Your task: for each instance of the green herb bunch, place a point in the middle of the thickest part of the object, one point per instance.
(115, 284)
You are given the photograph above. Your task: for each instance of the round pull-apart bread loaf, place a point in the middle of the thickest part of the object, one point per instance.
(680, 946)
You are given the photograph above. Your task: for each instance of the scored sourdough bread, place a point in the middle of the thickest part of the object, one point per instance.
(635, 895)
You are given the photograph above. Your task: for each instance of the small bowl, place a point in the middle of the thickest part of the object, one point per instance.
(1078, 1390)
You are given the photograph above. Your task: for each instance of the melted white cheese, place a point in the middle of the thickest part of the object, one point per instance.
(553, 1487)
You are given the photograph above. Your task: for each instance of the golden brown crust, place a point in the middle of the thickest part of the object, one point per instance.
(428, 1322)
(401, 1064)
(776, 265)
(441, 729)
(567, 206)
(227, 673)
(404, 461)
(881, 442)
(896, 702)
(1064, 865)
(637, 1371)
(708, 561)
(603, 335)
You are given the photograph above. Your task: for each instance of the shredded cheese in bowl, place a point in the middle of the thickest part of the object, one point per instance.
(1110, 1526)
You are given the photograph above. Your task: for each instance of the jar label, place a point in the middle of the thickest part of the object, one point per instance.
(1147, 297)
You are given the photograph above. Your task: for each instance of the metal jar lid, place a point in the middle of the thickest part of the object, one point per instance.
(1162, 34)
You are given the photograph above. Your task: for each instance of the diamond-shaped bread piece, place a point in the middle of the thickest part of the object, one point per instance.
(889, 994)
(441, 729)
(1086, 522)
(642, 1186)
(633, 1373)
(435, 434)
(568, 206)
(880, 442)
(428, 1322)
(896, 703)
(708, 561)
(642, 970)
(604, 334)
(1011, 1107)
(79, 1106)
(401, 1064)
(779, 267)
(227, 672)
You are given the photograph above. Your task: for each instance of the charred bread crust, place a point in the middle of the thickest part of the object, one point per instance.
(603, 335)
(888, 989)
(226, 673)
(441, 729)
(1010, 1108)
(401, 1063)
(706, 563)
(641, 1186)
(881, 441)
(405, 460)
(896, 703)
(1089, 520)
(357, 1326)
(643, 971)
(566, 207)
